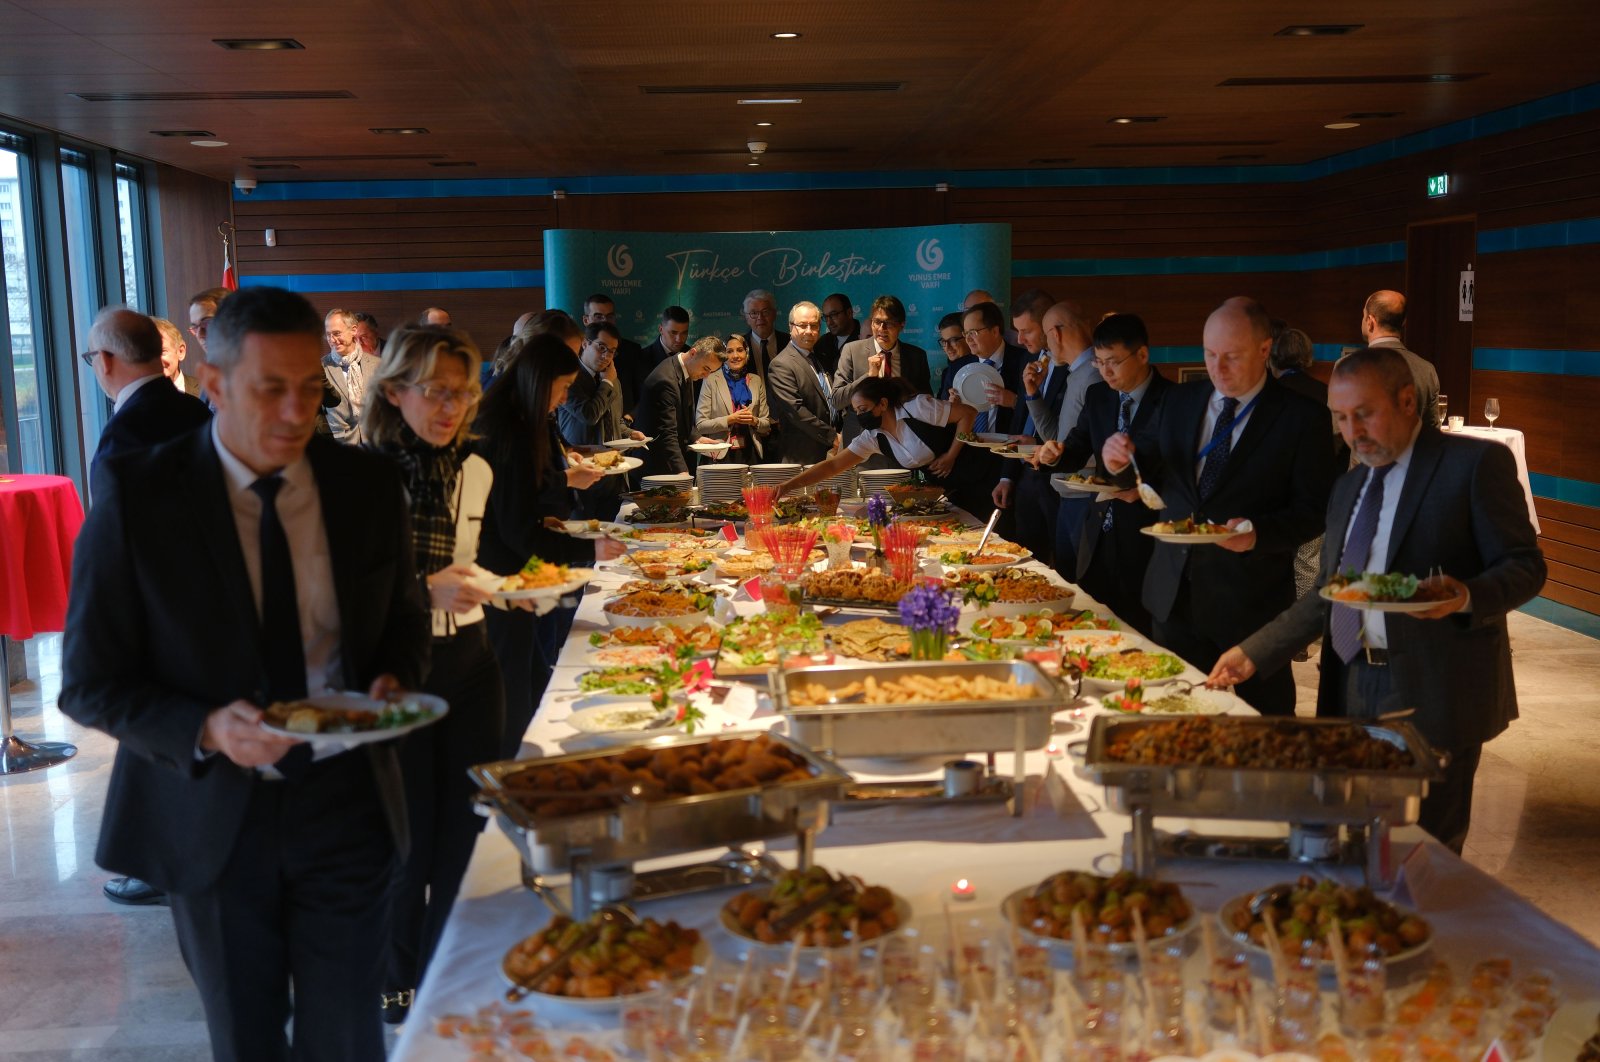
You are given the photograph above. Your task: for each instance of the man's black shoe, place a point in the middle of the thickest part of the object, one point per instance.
(133, 892)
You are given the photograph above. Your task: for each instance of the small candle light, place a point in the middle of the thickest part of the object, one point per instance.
(963, 890)
(1053, 751)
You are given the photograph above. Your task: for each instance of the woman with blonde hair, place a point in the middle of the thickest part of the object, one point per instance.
(423, 399)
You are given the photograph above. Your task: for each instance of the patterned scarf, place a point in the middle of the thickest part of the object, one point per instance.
(430, 474)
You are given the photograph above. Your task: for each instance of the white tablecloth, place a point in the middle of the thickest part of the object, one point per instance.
(1512, 438)
(920, 852)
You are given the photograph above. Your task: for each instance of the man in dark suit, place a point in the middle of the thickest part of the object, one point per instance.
(125, 354)
(839, 327)
(592, 414)
(666, 409)
(277, 856)
(765, 341)
(1021, 488)
(983, 326)
(881, 355)
(1112, 553)
(630, 360)
(798, 393)
(146, 411)
(1235, 447)
(672, 336)
(1418, 500)
(957, 354)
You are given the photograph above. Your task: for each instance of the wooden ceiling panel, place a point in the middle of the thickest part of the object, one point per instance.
(554, 88)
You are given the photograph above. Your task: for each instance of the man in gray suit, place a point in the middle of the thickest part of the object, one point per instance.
(766, 342)
(1383, 318)
(1418, 500)
(797, 391)
(347, 367)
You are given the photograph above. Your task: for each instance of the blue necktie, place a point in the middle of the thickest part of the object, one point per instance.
(1124, 418)
(982, 423)
(1345, 623)
(1044, 392)
(1221, 447)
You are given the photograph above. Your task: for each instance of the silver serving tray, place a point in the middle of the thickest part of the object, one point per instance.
(635, 831)
(949, 728)
(1270, 794)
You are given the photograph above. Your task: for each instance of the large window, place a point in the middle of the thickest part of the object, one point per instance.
(84, 281)
(21, 374)
(131, 237)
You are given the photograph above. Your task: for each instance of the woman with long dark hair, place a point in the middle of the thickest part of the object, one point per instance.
(532, 483)
(423, 397)
(912, 430)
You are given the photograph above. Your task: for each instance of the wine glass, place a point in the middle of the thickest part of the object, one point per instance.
(1444, 409)
(1491, 410)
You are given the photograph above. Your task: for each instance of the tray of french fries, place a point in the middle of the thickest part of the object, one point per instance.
(920, 707)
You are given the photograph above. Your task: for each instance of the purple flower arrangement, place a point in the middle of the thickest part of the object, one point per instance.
(931, 612)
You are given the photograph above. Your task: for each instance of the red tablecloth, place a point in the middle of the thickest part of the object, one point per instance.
(39, 521)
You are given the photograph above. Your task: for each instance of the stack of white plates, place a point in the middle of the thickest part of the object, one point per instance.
(670, 479)
(772, 475)
(721, 483)
(874, 480)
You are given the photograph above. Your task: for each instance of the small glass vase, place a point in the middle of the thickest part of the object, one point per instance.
(929, 645)
(838, 555)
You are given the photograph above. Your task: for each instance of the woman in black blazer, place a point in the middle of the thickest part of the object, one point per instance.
(532, 483)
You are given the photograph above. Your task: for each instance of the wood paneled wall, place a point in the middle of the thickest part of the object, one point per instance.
(1548, 172)
(191, 208)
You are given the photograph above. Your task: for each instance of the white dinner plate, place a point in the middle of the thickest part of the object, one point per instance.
(621, 468)
(1189, 539)
(1021, 453)
(1065, 486)
(972, 382)
(580, 578)
(718, 450)
(1326, 593)
(362, 703)
(593, 529)
(628, 444)
(988, 440)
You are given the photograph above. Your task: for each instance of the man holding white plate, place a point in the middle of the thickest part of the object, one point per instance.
(1418, 501)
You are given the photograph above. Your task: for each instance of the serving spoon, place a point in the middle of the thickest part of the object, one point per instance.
(1147, 493)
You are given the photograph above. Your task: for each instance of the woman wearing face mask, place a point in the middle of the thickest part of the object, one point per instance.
(733, 405)
(425, 393)
(911, 430)
(532, 484)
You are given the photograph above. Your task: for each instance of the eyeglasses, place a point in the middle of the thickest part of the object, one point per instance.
(760, 315)
(601, 348)
(437, 393)
(1105, 366)
(951, 343)
(831, 314)
(200, 327)
(885, 322)
(88, 356)
(974, 333)
(596, 317)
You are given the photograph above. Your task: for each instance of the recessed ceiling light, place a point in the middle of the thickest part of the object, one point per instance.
(1332, 30)
(258, 44)
(786, 35)
(763, 124)
(1342, 125)
(769, 100)
(1136, 119)
(209, 143)
(752, 163)
(400, 130)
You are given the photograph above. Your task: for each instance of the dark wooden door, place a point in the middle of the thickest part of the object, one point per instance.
(1436, 253)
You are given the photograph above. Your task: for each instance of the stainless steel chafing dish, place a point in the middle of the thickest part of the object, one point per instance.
(945, 728)
(597, 848)
(1315, 802)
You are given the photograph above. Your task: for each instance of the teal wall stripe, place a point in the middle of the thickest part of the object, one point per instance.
(1572, 491)
(311, 283)
(1305, 261)
(1554, 362)
(1560, 105)
(1573, 619)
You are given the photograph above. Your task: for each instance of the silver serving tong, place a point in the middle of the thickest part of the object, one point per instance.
(605, 916)
(987, 531)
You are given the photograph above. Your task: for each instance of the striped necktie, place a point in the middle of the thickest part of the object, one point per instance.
(1345, 623)
(1124, 418)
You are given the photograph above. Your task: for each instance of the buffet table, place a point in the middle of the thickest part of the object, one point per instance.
(920, 853)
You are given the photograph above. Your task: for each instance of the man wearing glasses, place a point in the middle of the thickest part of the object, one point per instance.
(632, 366)
(840, 328)
(592, 414)
(348, 366)
(881, 355)
(761, 313)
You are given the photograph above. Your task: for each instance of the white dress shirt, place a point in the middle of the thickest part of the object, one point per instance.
(129, 388)
(1214, 411)
(1374, 635)
(908, 449)
(300, 513)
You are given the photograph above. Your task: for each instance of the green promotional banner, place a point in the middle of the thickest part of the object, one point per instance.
(930, 268)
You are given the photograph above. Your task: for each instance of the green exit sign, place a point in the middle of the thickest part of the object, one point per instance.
(1438, 185)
